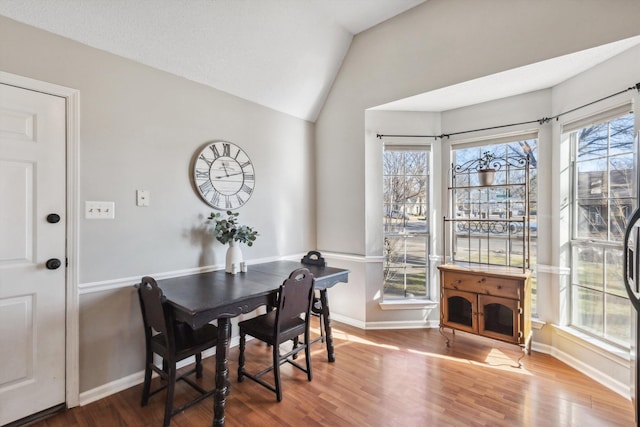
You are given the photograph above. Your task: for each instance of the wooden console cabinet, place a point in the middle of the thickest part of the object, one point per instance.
(491, 301)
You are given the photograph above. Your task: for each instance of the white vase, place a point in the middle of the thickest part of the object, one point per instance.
(234, 257)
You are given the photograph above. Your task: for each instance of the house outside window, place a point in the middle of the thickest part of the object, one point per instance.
(406, 198)
(604, 195)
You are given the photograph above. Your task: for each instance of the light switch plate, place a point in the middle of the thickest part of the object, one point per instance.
(99, 210)
(142, 198)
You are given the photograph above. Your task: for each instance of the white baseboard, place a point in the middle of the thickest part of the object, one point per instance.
(133, 380)
(595, 374)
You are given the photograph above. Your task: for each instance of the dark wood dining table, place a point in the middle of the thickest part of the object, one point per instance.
(201, 298)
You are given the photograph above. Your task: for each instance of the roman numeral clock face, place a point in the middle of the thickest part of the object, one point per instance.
(223, 175)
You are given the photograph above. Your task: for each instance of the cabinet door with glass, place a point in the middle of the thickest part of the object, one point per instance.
(499, 318)
(460, 310)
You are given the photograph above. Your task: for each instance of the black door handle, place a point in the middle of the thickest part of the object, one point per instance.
(53, 263)
(53, 218)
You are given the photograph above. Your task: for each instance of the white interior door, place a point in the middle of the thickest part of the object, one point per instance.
(32, 295)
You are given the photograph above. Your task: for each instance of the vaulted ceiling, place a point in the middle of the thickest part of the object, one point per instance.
(283, 54)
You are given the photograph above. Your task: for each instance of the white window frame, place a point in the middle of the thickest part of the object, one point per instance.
(570, 130)
(418, 301)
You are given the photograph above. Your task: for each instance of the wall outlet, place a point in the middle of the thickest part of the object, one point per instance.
(142, 198)
(99, 210)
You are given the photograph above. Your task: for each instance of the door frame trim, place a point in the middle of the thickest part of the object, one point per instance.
(72, 101)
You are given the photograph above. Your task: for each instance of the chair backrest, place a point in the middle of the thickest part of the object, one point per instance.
(295, 297)
(152, 305)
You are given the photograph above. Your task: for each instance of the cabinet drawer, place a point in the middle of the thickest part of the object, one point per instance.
(488, 285)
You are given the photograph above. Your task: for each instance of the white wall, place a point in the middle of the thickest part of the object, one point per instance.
(139, 129)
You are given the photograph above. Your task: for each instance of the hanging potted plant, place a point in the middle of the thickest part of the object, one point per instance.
(486, 171)
(227, 230)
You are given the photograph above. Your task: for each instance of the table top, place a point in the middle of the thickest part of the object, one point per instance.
(200, 298)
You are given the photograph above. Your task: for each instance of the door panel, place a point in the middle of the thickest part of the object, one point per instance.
(16, 326)
(32, 297)
(16, 212)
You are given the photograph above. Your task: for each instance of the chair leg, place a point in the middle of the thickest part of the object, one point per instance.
(276, 371)
(199, 365)
(146, 388)
(241, 358)
(307, 355)
(296, 341)
(168, 406)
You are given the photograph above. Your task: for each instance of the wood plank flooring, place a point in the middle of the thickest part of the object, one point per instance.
(388, 378)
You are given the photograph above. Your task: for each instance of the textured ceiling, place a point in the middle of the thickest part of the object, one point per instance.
(283, 54)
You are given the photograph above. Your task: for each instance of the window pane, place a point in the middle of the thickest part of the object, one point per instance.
(587, 309)
(393, 282)
(621, 176)
(615, 281)
(618, 319)
(622, 135)
(591, 179)
(415, 282)
(589, 269)
(592, 219)
(593, 141)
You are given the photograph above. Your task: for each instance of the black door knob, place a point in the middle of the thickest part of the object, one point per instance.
(53, 218)
(53, 263)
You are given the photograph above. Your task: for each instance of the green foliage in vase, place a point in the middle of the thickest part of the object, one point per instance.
(228, 229)
(484, 162)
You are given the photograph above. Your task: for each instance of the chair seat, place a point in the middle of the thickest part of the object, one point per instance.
(187, 341)
(261, 327)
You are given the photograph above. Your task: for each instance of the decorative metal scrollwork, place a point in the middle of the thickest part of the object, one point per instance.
(493, 227)
(488, 161)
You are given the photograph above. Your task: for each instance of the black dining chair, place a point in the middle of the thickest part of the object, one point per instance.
(287, 322)
(316, 258)
(173, 341)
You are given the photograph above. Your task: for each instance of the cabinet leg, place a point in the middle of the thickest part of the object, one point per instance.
(445, 337)
(526, 349)
(524, 353)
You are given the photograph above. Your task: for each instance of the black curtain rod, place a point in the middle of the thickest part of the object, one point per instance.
(539, 121)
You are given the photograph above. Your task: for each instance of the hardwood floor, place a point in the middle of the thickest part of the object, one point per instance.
(388, 378)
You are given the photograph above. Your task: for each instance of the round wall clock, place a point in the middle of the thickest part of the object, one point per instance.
(223, 175)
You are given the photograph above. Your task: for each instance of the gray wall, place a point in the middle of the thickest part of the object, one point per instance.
(434, 45)
(139, 129)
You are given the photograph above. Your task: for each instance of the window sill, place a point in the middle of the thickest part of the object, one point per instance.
(537, 324)
(408, 304)
(594, 344)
